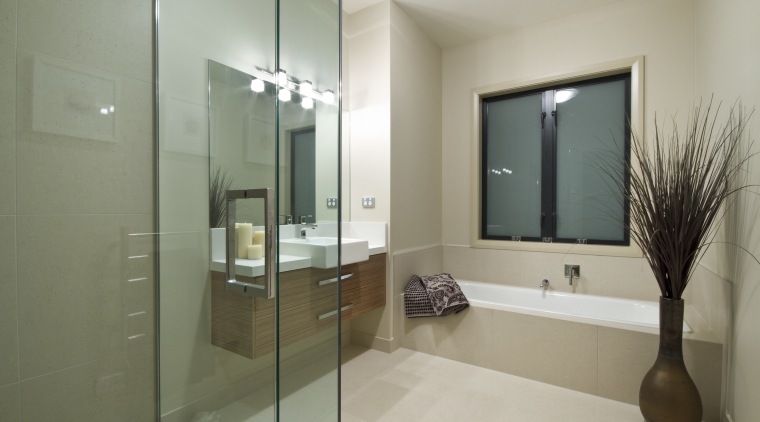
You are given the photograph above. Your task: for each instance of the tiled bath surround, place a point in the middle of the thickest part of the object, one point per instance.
(593, 359)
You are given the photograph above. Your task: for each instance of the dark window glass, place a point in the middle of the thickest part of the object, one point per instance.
(541, 176)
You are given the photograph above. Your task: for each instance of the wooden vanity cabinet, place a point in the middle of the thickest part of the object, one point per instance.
(245, 325)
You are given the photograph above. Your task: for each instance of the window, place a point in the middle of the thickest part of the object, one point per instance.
(541, 178)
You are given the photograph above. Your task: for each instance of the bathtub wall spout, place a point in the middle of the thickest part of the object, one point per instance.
(572, 271)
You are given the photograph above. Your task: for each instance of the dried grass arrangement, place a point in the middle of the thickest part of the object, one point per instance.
(678, 184)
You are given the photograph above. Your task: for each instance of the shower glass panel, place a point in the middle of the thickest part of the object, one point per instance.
(309, 329)
(229, 349)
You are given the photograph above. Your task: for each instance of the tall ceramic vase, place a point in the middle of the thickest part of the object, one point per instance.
(667, 392)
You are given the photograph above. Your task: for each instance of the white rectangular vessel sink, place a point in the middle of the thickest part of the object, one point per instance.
(323, 251)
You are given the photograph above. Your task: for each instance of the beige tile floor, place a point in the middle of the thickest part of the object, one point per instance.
(409, 386)
(412, 386)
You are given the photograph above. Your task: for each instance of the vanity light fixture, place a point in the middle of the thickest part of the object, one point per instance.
(306, 88)
(307, 103)
(328, 97)
(257, 85)
(282, 78)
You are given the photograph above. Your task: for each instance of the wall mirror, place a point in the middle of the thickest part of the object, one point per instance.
(248, 150)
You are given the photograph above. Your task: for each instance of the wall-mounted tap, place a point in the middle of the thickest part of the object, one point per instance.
(544, 284)
(287, 218)
(304, 225)
(572, 272)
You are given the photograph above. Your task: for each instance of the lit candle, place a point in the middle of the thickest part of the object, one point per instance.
(244, 233)
(254, 252)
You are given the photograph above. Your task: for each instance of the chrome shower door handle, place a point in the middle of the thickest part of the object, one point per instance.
(267, 290)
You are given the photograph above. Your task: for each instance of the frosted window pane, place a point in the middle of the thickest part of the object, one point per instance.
(590, 130)
(513, 167)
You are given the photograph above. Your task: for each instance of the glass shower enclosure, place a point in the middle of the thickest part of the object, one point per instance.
(248, 165)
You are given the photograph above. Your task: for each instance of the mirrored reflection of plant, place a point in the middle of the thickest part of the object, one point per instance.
(217, 201)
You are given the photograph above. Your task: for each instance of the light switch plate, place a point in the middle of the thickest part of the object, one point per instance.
(332, 202)
(368, 202)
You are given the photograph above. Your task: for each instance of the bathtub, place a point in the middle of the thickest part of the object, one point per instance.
(592, 344)
(605, 311)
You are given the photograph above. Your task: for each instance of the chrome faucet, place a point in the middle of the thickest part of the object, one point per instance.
(544, 284)
(287, 218)
(304, 225)
(572, 272)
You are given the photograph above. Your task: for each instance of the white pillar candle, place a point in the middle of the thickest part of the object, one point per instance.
(244, 233)
(254, 252)
(258, 239)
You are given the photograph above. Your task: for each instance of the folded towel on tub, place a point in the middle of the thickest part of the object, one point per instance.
(436, 295)
(445, 294)
(416, 300)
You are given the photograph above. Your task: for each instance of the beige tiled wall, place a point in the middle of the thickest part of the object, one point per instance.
(8, 315)
(76, 312)
(10, 403)
(597, 360)
(549, 350)
(114, 36)
(404, 265)
(8, 22)
(7, 129)
(628, 278)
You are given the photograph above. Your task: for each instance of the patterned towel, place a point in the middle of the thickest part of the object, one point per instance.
(437, 295)
(444, 293)
(416, 300)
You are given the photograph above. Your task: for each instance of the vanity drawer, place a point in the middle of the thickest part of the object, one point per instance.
(296, 322)
(308, 303)
(365, 290)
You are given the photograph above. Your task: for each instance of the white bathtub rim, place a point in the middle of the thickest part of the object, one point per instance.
(610, 322)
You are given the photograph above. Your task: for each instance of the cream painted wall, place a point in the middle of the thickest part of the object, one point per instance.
(415, 135)
(395, 147)
(368, 48)
(369, 53)
(728, 65)
(662, 31)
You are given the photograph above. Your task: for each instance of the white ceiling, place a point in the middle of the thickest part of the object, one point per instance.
(454, 22)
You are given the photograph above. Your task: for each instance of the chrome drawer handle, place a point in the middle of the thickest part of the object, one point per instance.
(334, 280)
(333, 313)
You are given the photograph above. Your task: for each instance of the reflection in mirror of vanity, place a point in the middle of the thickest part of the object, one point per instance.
(247, 151)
